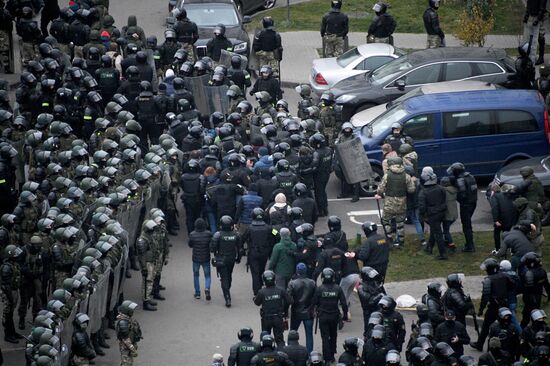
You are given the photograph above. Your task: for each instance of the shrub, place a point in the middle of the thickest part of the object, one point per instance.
(475, 22)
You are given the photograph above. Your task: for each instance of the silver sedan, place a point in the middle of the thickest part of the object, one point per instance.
(326, 72)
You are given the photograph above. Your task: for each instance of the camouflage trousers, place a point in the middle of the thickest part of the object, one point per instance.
(78, 51)
(334, 45)
(28, 52)
(31, 289)
(159, 264)
(395, 209)
(190, 52)
(148, 275)
(434, 41)
(9, 304)
(268, 58)
(126, 358)
(80, 361)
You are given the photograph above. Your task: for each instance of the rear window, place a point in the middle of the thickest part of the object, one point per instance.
(488, 68)
(516, 122)
(348, 57)
(464, 124)
(373, 62)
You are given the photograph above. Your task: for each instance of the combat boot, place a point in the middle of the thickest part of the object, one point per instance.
(207, 294)
(22, 323)
(147, 306)
(9, 331)
(128, 273)
(101, 337)
(540, 59)
(156, 290)
(95, 344)
(154, 303)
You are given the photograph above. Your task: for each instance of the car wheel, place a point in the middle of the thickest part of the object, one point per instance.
(268, 4)
(369, 186)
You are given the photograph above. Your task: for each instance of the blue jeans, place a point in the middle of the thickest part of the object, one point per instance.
(308, 327)
(512, 306)
(447, 231)
(211, 216)
(207, 279)
(417, 225)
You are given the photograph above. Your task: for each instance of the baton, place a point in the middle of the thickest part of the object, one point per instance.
(316, 323)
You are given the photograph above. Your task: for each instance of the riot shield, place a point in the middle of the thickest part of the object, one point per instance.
(217, 101)
(197, 86)
(66, 337)
(353, 160)
(97, 304)
(117, 281)
(225, 59)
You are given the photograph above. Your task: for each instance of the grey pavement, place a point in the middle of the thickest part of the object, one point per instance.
(300, 49)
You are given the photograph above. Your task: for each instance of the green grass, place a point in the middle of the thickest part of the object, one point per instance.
(411, 263)
(408, 14)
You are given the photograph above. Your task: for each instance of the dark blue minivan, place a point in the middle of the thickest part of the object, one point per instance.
(485, 129)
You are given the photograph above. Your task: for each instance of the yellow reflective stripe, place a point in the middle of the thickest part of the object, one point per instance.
(247, 76)
(274, 231)
(2, 181)
(229, 49)
(45, 104)
(87, 118)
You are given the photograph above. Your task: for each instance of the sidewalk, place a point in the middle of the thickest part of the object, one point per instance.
(300, 48)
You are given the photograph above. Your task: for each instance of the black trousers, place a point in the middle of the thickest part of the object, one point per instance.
(328, 324)
(466, 213)
(226, 276)
(490, 316)
(321, 199)
(257, 268)
(274, 323)
(193, 210)
(436, 234)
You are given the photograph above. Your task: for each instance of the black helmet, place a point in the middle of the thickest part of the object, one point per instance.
(369, 227)
(351, 344)
(296, 213)
(306, 229)
(258, 214)
(490, 265)
(269, 278)
(132, 71)
(334, 223)
(267, 341)
(192, 166)
(456, 169)
(369, 273)
(434, 3)
(443, 350)
(336, 4)
(387, 304)
(217, 118)
(226, 222)
(328, 275)
(283, 165)
(141, 57)
(267, 22)
(145, 86)
(454, 280)
(245, 333)
(435, 289)
(219, 30)
(530, 260)
(236, 61)
(315, 358)
(300, 190)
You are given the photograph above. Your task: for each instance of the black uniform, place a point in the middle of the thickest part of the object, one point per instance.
(431, 23)
(269, 357)
(330, 257)
(270, 85)
(534, 281)
(297, 353)
(467, 198)
(193, 186)
(321, 176)
(432, 205)
(375, 253)
(326, 299)
(335, 22)
(455, 299)
(108, 79)
(241, 353)
(274, 302)
(226, 246)
(224, 199)
(260, 239)
(383, 26)
(309, 208)
(215, 46)
(370, 292)
(449, 329)
(186, 31)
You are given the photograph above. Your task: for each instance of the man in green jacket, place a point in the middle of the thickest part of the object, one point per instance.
(281, 262)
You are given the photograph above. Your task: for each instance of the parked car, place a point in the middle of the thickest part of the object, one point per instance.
(509, 174)
(485, 130)
(326, 72)
(244, 6)
(207, 14)
(362, 118)
(397, 77)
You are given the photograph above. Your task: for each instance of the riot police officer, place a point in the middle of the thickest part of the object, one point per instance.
(187, 32)
(128, 332)
(242, 352)
(147, 250)
(326, 300)
(351, 356)
(455, 298)
(375, 251)
(534, 280)
(393, 321)
(30, 34)
(323, 158)
(370, 291)
(494, 295)
(10, 284)
(274, 302)
(220, 42)
(227, 248)
(267, 45)
(260, 241)
(436, 37)
(382, 26)
(108, 77)
(467, 198)
(268, 355)
(81, 346)
(334, 30)
(239, 76)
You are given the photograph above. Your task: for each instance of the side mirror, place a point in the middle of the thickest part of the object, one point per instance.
(400, 84)
(247, 19)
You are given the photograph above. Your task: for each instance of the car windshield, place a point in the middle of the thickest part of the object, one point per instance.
(384, 121)
(387, 71)
(348, 57)
(209, 14)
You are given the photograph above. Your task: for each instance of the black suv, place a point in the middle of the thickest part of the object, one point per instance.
(207, 14)
(410, 71)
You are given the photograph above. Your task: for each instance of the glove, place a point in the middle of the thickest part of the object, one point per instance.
(525, 18)
(480, 313)
(535, 23)
(133, 353)
(238, 260)
(251, 93)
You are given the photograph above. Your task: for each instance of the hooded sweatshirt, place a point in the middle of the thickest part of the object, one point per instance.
(281, 262)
